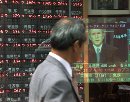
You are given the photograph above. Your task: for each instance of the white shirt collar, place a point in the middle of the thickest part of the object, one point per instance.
(95, 47)
(63, 61)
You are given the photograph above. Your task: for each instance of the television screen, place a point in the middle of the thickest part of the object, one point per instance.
(108, 67)
(111, 36)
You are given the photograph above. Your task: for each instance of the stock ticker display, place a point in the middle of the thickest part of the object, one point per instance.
(24, 25)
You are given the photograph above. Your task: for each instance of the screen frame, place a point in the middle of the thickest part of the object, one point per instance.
(107, 12)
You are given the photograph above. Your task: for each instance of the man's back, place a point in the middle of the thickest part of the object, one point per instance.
(52, 84)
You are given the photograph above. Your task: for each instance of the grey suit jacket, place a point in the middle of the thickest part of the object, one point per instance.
(52, 83)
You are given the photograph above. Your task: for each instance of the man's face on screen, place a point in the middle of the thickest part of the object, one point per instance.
(96, 36)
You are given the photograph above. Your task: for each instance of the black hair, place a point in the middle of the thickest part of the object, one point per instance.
(66, 31)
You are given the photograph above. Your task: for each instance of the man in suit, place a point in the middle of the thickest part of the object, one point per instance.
(52, 79)
(100, 52)
(107, 53)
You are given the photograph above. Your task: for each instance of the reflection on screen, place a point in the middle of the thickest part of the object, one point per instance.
(111, 35)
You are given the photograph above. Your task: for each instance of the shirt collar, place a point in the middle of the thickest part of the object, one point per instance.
(63, 61)
(95, 47)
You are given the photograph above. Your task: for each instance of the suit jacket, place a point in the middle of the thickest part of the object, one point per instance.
(52, 83)
(108, 54)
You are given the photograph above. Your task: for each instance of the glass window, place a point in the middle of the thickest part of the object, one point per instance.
(109, 69)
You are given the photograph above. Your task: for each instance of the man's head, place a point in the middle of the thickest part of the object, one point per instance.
(96, 36)
(68, 34)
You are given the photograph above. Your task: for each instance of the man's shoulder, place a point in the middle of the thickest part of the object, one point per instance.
(90, 44)
(110, 47)
(47, 66)
(51, 73)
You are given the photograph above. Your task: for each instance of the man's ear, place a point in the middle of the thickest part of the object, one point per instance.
(76, 46)
(89, 37)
